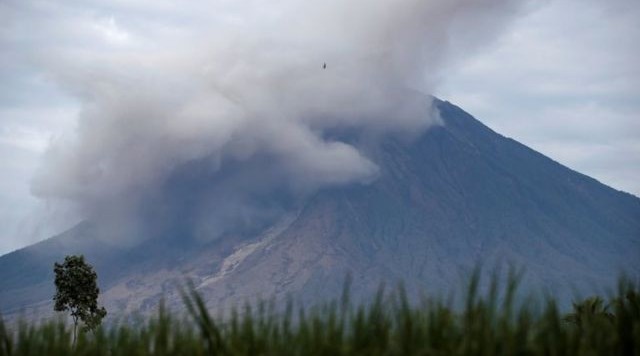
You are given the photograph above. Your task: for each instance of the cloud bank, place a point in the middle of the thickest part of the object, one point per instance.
(223, 108)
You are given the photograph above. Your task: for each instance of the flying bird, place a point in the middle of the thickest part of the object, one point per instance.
(324, 66)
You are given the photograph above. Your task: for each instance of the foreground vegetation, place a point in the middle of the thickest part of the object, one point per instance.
(488, 323)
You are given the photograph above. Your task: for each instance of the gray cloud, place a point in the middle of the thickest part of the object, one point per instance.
(566, 81)
(166, 89)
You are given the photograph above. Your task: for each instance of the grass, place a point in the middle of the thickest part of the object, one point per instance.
(489, 323)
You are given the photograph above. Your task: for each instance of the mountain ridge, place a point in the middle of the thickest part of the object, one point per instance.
(457, 194)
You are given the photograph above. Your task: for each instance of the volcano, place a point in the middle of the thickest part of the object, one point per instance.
(453, 196)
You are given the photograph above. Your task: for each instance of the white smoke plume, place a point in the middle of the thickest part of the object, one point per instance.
(229, 100)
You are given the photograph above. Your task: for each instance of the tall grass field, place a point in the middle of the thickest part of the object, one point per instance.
(489, 323)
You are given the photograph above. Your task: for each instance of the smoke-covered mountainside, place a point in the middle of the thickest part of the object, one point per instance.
(455, 195)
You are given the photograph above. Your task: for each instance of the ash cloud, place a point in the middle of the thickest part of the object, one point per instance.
(215, 115)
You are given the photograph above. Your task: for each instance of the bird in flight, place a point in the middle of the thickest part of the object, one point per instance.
(324, 66)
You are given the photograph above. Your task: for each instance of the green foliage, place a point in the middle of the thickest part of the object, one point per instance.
(490, 323)
(77, 292)
(589, 310)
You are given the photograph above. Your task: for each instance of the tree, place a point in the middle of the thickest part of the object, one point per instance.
(589, 310)
(77, 292)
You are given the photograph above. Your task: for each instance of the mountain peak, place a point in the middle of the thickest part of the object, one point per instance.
(456, 195)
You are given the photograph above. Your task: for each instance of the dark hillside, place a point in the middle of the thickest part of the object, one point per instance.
(456, 195)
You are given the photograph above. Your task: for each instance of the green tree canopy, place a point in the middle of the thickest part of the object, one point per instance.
(77, 292)
(588, 310)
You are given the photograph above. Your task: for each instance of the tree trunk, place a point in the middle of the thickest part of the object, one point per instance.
(75, 330)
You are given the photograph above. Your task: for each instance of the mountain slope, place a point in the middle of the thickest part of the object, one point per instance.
(456, 195)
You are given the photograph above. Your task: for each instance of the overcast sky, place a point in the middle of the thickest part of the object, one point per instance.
(562, 77)
(564, 80)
